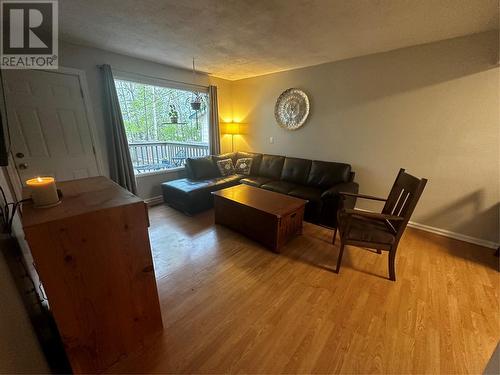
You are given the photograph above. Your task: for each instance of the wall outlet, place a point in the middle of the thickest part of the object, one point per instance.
(271, 140)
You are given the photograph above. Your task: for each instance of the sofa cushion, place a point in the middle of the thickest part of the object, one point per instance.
(256, 181)
(244, 166)
(187, 186)
(282, 187)
(296, 170)
(201, 168)
(325, 174)
(223, 182)
(271, 166)
(312, 194)
(226, 167)
(228, 155)
(256, 159)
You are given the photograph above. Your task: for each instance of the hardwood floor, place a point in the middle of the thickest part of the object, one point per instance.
(231, 306)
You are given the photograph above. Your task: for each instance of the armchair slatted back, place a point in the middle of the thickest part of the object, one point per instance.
(402, 199)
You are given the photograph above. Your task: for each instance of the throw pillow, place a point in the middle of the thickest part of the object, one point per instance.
(226, 167)
(243, 166)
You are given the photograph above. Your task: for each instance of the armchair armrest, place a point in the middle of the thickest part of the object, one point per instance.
(334, 191)
(363, 196)
(370, 214)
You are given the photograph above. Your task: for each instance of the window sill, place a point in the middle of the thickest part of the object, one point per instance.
(163, 171)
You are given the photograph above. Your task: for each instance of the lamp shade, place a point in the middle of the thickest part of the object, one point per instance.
(231, 128)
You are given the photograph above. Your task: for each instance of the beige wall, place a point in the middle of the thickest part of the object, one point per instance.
(87, 59)
(432, 109)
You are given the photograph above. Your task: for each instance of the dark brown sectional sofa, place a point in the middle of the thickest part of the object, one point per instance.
(316, 181)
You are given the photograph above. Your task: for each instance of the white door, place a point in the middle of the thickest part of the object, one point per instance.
(49, 127)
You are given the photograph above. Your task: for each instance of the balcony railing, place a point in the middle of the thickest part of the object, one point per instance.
(156, 156)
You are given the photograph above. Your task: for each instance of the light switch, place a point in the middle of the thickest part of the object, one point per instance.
(271, 140)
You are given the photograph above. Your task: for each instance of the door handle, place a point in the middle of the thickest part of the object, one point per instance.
(23, 166)
(19, 155)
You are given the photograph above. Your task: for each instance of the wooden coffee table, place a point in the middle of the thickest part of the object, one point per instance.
(264, 216)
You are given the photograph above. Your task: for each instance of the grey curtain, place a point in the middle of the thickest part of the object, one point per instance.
(214, 121)
(120, 162)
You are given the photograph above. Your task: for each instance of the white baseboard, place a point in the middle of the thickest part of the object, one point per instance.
(454, 235)
(153, 201)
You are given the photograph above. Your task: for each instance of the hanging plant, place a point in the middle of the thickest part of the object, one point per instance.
(196, 102)
(173, 114)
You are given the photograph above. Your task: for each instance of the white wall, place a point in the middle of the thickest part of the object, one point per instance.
(432, 109)
(87, 59)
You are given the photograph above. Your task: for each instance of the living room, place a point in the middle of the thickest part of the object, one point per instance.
(322, 181)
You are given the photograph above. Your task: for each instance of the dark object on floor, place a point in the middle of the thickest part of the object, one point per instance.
(380, 231)
(318, 182)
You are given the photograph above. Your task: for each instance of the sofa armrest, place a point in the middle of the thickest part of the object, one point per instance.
(333, 192)
(343, 201)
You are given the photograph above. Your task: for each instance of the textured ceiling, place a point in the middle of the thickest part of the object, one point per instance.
(235, 39)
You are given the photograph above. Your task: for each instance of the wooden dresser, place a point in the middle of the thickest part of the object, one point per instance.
(93, 256)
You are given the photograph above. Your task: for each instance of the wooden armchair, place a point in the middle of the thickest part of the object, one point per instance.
(380, 231)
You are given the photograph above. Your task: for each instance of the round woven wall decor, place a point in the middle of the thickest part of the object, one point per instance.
(291, 109)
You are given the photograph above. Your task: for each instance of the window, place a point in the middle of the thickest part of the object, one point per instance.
(162, 127)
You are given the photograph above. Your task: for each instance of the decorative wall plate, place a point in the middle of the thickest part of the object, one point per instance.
(291, 109)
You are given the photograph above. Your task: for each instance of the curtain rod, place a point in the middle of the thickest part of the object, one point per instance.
(156, 78)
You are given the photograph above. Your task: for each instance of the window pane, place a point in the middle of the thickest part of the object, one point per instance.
(162, 127)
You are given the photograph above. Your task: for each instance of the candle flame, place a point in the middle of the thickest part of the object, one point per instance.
(39, 179)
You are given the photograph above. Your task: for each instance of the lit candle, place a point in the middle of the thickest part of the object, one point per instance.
(43, 191)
